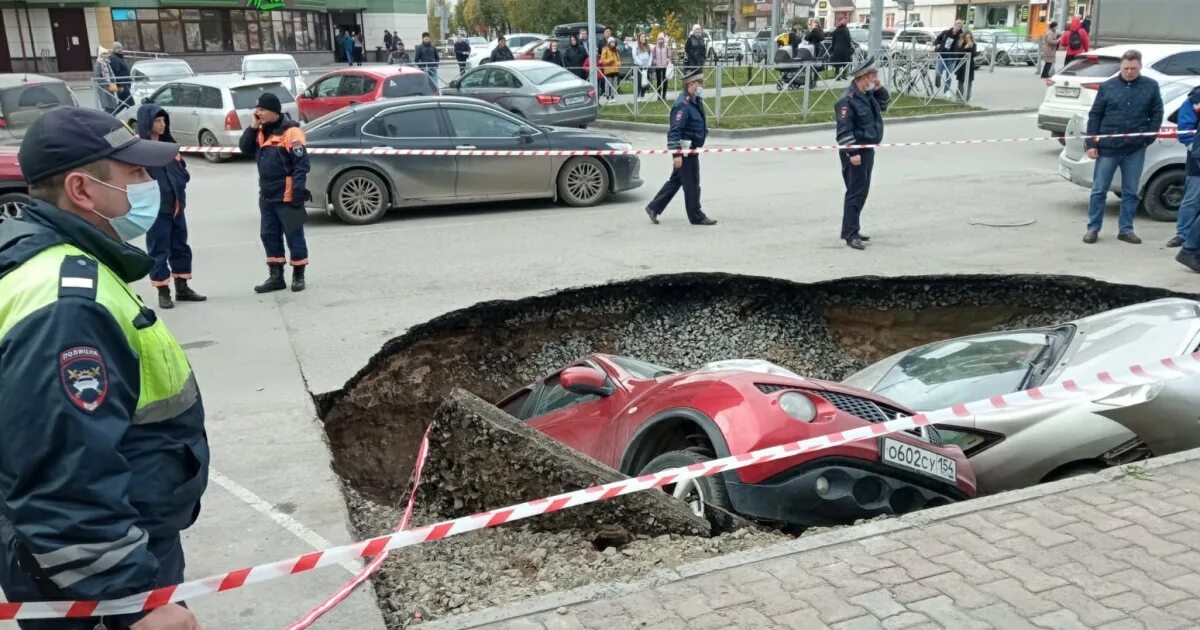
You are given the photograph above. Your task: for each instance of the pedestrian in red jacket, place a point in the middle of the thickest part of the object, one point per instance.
(1075, 41)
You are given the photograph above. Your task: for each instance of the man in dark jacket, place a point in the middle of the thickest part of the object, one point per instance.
(841, 49)
(427, 57)
(462, 52)
(387, 39)
(104, 458)
(689, 129)
(1127, 103)
(120, 69)
(694, 50)
(277, 145)
(167, 240)
(400, 55)
(948, 55)
(501, 52)
(573, 57)
(1187, 227)
(859, 121)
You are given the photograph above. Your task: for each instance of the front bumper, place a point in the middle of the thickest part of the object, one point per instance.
(627, 172)
(856, 489)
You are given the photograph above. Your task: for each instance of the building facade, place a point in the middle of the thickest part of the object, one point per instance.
(212, 35)
(928, 12)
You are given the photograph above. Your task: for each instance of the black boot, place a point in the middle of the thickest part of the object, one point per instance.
(184, 293)
(298, 278)
(274, 281)
(164, 298)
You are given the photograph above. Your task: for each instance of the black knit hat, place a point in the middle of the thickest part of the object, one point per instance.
(269, 102)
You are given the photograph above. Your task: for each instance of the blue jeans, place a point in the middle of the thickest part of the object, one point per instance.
(1131, 172)
(1191, 244)
(1189, 207)
(432, 71)
(945, 73)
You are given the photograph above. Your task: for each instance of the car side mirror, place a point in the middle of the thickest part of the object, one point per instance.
(453, 83)
(585, 381)
(526, 134)
(147, 101)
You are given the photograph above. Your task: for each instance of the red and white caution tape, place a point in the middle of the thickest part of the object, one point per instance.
(342, 593)
(1101, 385)
(1164, 133)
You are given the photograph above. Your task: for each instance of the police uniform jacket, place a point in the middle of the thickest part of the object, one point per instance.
(282, 160)
(103, 450)
(688, 122)
(1188, 122)
(860, 117)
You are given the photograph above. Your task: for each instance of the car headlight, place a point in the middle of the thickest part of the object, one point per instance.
(619, 146)
(798, 406)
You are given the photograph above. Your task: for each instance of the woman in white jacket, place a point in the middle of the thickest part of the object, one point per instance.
(641, 61)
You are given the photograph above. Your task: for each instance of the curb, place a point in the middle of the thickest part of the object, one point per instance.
(586, 594)
(765, 132)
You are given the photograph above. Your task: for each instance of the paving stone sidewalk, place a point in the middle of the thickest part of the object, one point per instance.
(1115, 551)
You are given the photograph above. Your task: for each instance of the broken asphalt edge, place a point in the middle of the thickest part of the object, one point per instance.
(596, 592)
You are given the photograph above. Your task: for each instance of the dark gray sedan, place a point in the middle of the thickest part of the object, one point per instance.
(360, 189)
(541, 92)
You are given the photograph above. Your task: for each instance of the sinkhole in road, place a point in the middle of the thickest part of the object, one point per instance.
(823, 330)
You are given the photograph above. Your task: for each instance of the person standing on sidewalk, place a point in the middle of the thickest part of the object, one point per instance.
(462, 52)
(695, 50)
(1075, 40)
(841, 49)
(948, 56)
(1187, 228)
(167, 240)
(660, 59)
(1126, 103)
(427, 57)
(859, 121)
(641, 61)
(277, 145)
(1050, 43)
(689, 128)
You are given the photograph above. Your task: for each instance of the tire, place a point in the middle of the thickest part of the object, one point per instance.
(1164, 194)
(1078, 469)
(702, 494)
(209, 140)
(1002, 59)
(359, 197)
(11, 205)
(583, 181)
(1031, 63)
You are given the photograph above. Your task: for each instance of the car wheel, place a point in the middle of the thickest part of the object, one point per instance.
(360, 197)
(11, 205)
(1164, 195)
(705, 496)
(1002, 59)
(583, 181)
(209, 140)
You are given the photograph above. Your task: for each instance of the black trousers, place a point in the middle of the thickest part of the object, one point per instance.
(658, 80)
(1046, 68)
(167, 244)
(858, 186)
(688, 178)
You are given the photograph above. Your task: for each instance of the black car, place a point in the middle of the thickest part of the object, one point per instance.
(360, 189)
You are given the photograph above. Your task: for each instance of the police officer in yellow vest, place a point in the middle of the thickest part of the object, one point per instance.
(103, 455)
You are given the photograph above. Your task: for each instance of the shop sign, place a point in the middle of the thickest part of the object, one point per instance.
(264, 5)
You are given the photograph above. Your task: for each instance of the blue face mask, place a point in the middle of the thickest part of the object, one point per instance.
(144, 200)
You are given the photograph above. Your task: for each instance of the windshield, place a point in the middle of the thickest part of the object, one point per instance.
(477, 41)
(164, 71)
(269, 67)
(418, 84)
(641, 369)
(542, 76)
(246, 97)
(964, 370)
(23, 104)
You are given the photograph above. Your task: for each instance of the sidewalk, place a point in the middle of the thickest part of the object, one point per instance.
(1119, 550)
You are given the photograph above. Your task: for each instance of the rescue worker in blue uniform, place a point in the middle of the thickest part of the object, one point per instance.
(277, 144)
(689, 128)
(859, 114)
(103, 454)
(167, 240)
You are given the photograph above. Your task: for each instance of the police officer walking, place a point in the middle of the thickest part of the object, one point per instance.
(277, 144)
(689, 128)
(859, 115)
(103, 455)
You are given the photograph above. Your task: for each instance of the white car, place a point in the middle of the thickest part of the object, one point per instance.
(514, 41)
(1073, 90)
(151, 74)
(276, 66)
(1163, 177)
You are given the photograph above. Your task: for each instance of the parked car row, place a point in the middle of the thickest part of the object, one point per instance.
(641, 418)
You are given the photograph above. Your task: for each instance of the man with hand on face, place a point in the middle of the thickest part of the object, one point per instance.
(103, 455)
(859, 121)
(277, 144)
(689, 128)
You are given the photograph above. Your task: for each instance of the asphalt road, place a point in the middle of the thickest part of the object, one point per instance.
(259, 357)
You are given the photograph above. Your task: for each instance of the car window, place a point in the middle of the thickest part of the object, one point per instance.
(352, 85)
(246, 97)
(477, 123)
(1180, 64)
(543, 76)
(165, 96)
(210, 98)
(962, 370)
(1092, 67)
(503, 79)
(641, 369)
(328, 87)
(369, 84)
(408, 123)
(553, 397)
(513, 406)
(187, 96)
(475, 79)
(417, 84)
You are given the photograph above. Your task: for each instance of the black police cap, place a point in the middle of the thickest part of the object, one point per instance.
(69, 137)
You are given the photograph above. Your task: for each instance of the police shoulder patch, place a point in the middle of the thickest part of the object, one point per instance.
(679, 115)
(297, 149)
(845, 111)
(84, 377)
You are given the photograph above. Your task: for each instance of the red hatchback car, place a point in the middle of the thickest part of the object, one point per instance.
(342, 88)
(638, 418)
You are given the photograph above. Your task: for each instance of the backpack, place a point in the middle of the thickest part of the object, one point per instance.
(1076, 40)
